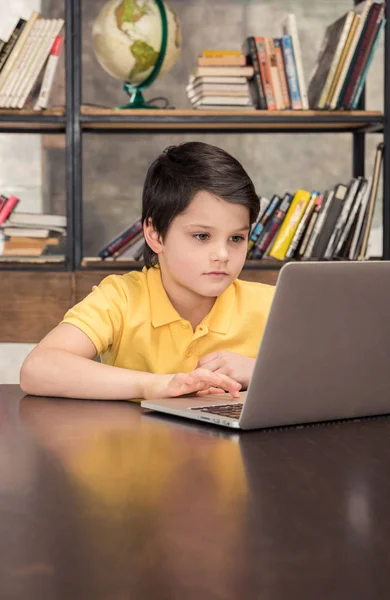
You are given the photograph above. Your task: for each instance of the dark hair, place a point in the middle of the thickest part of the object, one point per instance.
(179, 173)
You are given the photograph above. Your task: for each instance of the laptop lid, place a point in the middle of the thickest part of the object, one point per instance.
(325, 352)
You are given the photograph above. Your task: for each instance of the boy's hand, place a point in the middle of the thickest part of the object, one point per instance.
(201, 381)
(229, 363)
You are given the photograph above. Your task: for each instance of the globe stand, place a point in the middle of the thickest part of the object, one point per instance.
(136, 98)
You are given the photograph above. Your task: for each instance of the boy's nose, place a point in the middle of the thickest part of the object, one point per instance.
(221, 254)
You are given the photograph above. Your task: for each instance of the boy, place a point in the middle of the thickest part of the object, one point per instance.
(185, 324)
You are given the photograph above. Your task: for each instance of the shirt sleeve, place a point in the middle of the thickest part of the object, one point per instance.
(101, 314)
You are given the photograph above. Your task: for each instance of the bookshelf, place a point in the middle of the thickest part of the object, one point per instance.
(75, 121)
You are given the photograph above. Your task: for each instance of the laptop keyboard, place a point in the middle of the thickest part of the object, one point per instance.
(233, 411)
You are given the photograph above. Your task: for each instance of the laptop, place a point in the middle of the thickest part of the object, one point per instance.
(324, 354)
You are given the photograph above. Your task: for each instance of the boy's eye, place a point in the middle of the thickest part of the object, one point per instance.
(237, 239)
(202, 237)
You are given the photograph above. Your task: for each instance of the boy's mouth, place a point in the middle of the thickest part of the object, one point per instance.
(217, 274)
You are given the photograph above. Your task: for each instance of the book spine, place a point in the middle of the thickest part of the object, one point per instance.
(361, 81)
(282, 74)
(272, 228)
(301, 227)
(290, 224)
(265, 73)
(48, 77)
(362, 49)
(277, 90)
(365, 7)
(17, 49)
(292, 30)
(258, 229)
(256, 83)
(7, 208)
(9, 46)
(336, 59)
(17, 71)
(310, 228)
(291, 72)
(121, 240)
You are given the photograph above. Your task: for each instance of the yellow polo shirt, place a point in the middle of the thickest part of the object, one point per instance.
(132, 323)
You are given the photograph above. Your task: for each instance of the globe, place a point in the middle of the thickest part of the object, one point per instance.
(135, 41)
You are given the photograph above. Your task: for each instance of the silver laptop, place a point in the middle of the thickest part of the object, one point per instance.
(324, 355)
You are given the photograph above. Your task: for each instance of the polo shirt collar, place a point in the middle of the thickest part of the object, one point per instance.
(162, 311)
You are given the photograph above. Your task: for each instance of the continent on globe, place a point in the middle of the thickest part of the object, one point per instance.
(145, 57)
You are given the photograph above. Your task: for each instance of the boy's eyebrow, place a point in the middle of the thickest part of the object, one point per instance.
(245, 228)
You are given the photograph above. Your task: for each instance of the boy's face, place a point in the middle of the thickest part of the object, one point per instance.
(206, 246)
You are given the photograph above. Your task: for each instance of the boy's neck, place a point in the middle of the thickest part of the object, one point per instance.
(190, 306)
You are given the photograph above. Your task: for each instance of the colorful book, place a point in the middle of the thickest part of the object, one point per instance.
(291, 72)
(121, 240)
(290, 224)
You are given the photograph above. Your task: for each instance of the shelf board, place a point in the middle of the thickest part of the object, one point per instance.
(32, 120)
(309, 121)
(94, 262)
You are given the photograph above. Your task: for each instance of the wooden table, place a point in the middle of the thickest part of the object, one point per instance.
(100, 500)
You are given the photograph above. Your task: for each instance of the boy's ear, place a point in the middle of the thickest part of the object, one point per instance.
(152, 238)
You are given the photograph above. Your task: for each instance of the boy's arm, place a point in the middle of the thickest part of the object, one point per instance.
(61, 365)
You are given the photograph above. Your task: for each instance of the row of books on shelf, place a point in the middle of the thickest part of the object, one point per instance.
(28, 62)
(335, 224)
(305, 225)
(268, 73)
(26, 234)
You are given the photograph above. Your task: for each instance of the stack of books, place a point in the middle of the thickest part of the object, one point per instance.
(345, 56)
(24, 234)
(220, 80)
(28, 62)
(333, 225)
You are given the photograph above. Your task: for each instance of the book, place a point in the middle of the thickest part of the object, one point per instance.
(366, 229)
(271, 228)
(354, 248)
(362, 80)
(363, 47)
(37, 220)
(338, 251)
(276, 86)
(310, 227)
(255, 83)
(222, 61)
(26, 232)
(221, 101)
(265, 72)
(121, 240)
(342, 217)
(224, 71)
(282, 73)
(329, 54)
(8, 46)
(290, 28)
(291, 72)
(329, 219)
(38, 64)
(221, 53)
(262, 221)
(9, 205)
(326, 99)
(290, 224)
(303, 223)
(373, 25)
(362, 10)
(17, 49)
(48, 77)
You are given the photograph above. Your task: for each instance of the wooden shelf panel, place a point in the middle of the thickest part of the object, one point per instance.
(32, 120)
(94, 118)
(94, 262)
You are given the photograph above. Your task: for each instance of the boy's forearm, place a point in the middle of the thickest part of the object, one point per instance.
(53, 372)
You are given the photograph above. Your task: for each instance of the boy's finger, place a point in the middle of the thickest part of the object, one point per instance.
(212, 365)
(207, 358)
